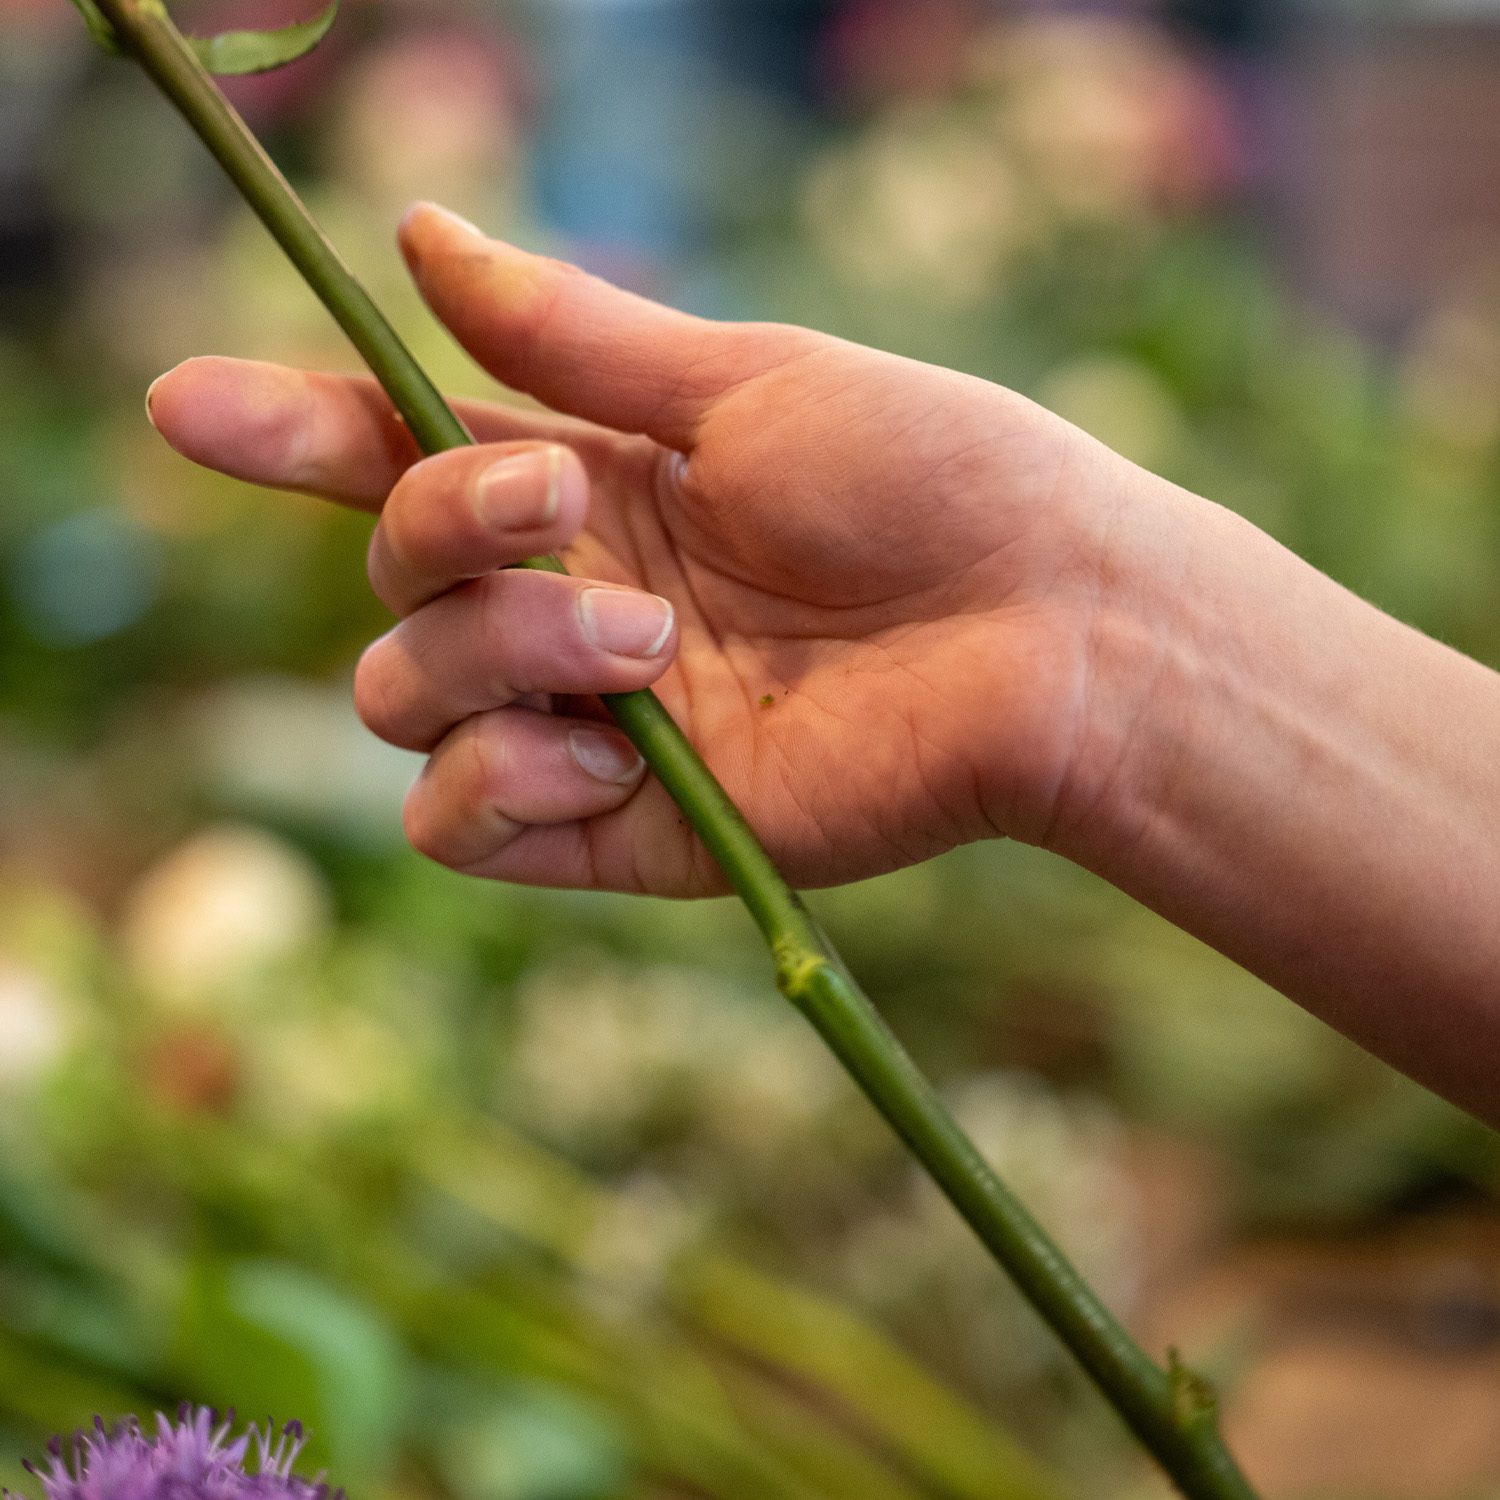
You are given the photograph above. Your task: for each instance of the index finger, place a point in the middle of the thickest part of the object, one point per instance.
(334, 436)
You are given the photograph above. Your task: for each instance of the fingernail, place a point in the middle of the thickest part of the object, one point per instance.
(605, 756)
(625, 622)
(521, 492)
(456, 221)
(413, 250)
(150, 394)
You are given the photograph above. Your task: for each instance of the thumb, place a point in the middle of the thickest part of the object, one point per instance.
(576, 343)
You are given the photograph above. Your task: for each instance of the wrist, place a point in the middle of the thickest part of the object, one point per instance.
(1154, 620)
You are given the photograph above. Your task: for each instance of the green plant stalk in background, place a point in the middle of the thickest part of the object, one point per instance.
(1173, 1413)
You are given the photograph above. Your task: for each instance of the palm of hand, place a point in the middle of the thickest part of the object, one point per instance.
(879, 638)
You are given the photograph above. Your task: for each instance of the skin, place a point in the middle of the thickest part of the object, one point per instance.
(969, 618)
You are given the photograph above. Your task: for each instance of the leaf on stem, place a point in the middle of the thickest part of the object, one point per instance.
(237, 52)
(99, 29)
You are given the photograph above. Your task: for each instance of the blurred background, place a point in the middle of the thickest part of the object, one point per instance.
(522, 1196)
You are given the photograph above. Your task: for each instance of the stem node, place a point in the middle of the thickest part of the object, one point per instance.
(798, 971)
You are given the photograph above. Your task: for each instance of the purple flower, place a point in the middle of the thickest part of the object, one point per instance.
(194, 1458)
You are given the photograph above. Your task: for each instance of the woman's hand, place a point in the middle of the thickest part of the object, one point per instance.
(865, 587)
(908, 609)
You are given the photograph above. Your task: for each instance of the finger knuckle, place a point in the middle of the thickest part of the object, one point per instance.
(481, 764)
(424, 830)
(397, 535)
(376, 699)
(494, 637)
(453, 813)
(490, 600)
(532, 641)
(427, 519)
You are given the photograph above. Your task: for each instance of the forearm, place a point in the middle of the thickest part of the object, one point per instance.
(1307, 785)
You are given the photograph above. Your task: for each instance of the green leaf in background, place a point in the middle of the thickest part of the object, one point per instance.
(525, 1441)
(269, 1337)
(238, 52)
(100, 29)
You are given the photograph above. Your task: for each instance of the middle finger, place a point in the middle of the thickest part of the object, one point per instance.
(505, 637)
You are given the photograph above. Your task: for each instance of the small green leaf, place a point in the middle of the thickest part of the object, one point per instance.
(100, 29)
(236, 52)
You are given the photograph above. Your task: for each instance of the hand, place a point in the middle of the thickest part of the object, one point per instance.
(883, 579)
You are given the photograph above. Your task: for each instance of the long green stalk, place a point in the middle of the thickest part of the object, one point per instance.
(1173, 1414)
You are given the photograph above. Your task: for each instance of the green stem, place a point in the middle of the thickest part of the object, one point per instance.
(1170, 1414)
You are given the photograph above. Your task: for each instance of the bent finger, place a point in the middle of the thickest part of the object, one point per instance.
(505, 637)
(502, 772)
(463, 514)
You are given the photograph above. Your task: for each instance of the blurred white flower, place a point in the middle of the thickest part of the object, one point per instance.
(222, 908)
(596, 1047)
(1065, 1158)
(1110, 117)
(924, 205)
(310, 1072)
(602, 1051)
(631, 1246)
(772, 1088)
(37, 1024)
(1063, 119)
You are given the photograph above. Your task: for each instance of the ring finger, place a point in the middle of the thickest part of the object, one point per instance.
(499, 773)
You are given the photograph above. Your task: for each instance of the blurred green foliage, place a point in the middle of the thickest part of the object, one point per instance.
(530, 1196)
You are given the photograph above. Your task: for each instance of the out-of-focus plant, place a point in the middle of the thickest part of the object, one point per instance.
(1173, 1413)
(448, 1301)
(194, 1458)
